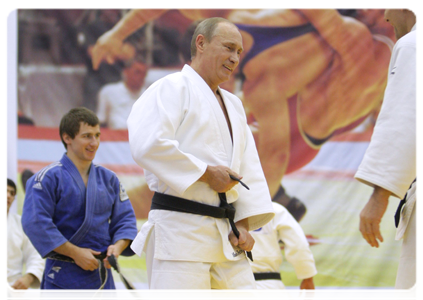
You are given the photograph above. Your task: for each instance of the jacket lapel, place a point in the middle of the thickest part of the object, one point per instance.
(216, 109)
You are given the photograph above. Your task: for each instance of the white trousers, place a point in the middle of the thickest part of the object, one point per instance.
(406, 275)
(166, 274)
(271, 290)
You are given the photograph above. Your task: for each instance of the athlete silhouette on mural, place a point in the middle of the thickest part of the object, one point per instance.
(305, 77)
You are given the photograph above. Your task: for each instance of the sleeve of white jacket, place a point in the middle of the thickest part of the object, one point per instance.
(255, 203)
(152, 125)
(297, 249)
(390, 160)
(33, 261)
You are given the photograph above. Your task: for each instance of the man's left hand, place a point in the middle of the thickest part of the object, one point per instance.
(116, 250)
(245, 241)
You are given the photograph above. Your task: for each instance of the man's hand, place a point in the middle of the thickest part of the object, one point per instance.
(116, 250)
(24, 282)
(307, 284)
(371, 216)
(84, 258)
(110, 48)
(245, 241)
(218, 178)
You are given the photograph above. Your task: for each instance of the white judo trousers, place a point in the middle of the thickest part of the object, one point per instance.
(408, 275)
(167, 274)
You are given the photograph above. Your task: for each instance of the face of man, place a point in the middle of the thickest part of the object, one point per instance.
(84, 146)
(398, 19)
(10, 196)
(222, 53)
(134, 76)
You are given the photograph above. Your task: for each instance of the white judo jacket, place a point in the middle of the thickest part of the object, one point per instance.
(177, 128)
(390, 160)
(267, 252)
(21, 253)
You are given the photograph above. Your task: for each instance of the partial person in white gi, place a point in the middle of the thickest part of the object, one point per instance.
(21, 254)
(389, 164)
(268, 255)
(115, 99)
(190, 136)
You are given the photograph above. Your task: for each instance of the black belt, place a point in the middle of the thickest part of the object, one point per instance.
(401, 204)
(173, 203)
(101, 268)
(267, 276)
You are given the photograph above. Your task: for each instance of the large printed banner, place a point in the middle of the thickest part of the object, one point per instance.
(311, 82)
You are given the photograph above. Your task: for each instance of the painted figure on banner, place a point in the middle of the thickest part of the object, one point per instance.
(305, 77)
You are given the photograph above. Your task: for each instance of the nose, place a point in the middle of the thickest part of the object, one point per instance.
(95, 141)
(235, 58)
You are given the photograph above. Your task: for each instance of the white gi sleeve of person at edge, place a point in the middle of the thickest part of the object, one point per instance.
(390, 160)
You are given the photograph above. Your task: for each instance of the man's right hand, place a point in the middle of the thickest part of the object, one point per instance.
(218, 178)
(84, 258)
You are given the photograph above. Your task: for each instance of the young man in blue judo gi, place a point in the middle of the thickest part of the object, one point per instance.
(76, 213)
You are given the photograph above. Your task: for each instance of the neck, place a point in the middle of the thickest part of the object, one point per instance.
(200, 70)
(82, 166)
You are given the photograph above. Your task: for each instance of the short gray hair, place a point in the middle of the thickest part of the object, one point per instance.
(207, 28)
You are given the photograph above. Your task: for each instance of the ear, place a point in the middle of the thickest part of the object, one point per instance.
(200, 42)
(66, 138)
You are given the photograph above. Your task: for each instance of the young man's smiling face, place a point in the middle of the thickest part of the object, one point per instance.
(84, 145)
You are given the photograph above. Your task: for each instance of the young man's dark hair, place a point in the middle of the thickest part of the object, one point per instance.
(71, 121)
(11, 184)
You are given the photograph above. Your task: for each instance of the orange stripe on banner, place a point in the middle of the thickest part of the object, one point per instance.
(35, 166)
(50, 133)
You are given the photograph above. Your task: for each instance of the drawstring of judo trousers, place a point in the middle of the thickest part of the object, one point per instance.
(101, 268)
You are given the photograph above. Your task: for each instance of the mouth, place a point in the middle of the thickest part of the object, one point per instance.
(228, 68)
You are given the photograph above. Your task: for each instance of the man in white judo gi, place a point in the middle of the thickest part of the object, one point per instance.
(21, 254)
(389, 164)
(190, 136)
(268, 255)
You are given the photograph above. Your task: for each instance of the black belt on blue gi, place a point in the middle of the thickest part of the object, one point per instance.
(173, 203)
(101, 268)
(267, 275)
(401, 204)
